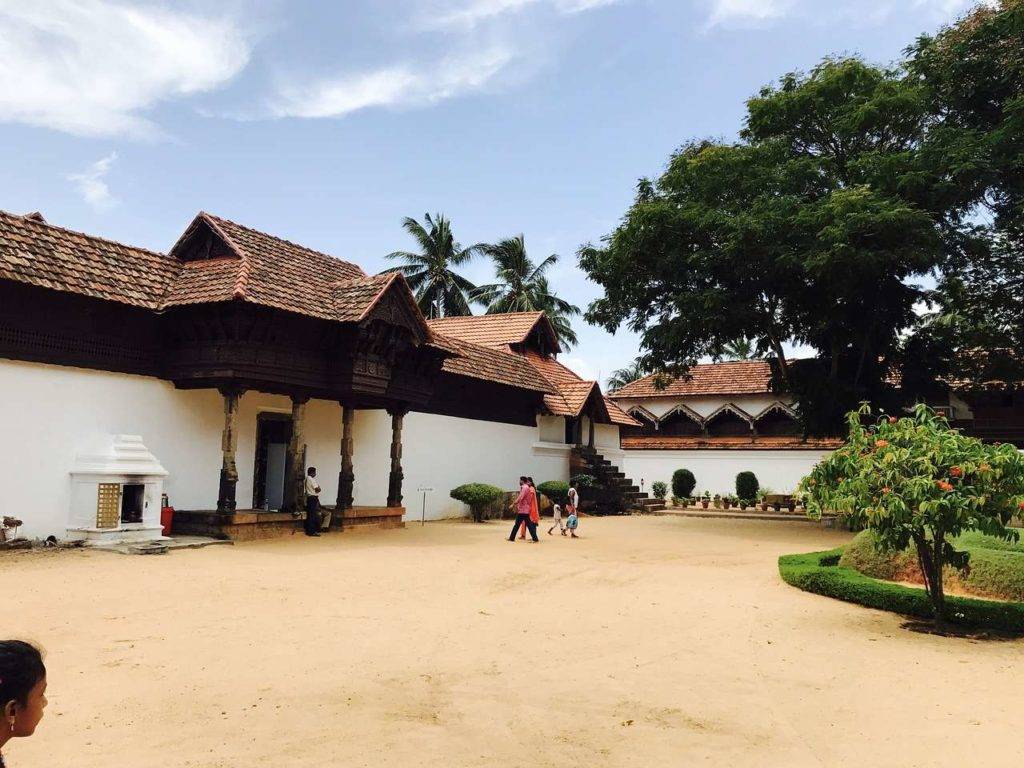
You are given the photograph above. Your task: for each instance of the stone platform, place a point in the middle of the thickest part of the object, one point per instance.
(252, 524)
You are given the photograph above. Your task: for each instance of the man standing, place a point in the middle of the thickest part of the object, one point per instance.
(524, 503)
(312, 503)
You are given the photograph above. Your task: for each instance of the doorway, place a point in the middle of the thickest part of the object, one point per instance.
(273, 433)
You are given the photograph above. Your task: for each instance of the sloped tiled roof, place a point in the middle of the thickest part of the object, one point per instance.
(496, 330)
(619, 416)
(729, 443)
(480, 362)
(573, 391)
(743, 377)
(40, 254)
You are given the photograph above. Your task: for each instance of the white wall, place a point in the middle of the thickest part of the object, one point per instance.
(716, 470)
(443, 452)
(51, 413)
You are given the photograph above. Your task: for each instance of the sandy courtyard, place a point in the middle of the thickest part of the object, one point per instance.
(650, 642)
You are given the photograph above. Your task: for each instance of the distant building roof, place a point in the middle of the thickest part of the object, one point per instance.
(496, 330)
(742, 377)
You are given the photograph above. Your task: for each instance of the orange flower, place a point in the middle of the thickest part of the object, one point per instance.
(1020, 506)
(881, 443)
(956, 472)
(887, 490)
(943, 485)
(893, 419)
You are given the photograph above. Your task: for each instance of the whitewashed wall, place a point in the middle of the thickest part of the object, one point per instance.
(444, 452)
(716, 470)
(52, 413)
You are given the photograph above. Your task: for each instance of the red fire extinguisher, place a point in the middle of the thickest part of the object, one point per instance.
(166, 514)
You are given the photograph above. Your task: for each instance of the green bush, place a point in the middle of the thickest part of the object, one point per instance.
(747, 486)
(659, 489)
(556, 490)
(683, 483)
(584, 481)
(477, 496)
(818, 572)
(995, 566)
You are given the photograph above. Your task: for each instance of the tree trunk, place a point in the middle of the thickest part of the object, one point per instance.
(929, 557)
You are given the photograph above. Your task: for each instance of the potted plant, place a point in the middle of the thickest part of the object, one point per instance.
(659, 489)
(717, 500)
(705, 499)
(791, 505)
(762, 497)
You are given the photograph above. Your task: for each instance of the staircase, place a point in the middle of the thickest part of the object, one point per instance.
(621, 488)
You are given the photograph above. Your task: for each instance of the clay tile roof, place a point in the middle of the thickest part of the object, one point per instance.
(262, 269)
(743, 377)
(619, 416)
(480, 362)
(730, 443)
(354, 298)
(497, 330)
(572, 391)
(40, 254)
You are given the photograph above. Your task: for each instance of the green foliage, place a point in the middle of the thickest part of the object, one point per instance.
(659, 489)
(818, 572)
(440, 291)
(916, 480)
(522, 286)
(747, 486)
(683, 482)
(477, 496)
(623, 376)
(556, 490)
(583, 480)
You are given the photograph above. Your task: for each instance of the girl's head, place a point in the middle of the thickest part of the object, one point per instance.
(530, 481)
(22, 687)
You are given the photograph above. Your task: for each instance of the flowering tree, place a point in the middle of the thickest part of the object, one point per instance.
(916, 480)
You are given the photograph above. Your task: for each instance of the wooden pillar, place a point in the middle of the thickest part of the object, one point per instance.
(395, 477)
(228, 445)
(577, 430)
(295, 486)
(590, 435)
(346, 477)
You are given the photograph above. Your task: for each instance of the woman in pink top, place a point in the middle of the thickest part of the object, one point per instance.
(534, 508)
(525, 502)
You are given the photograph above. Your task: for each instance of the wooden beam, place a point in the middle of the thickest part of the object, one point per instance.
(229, 445)
(396, 475)
(294, 487)
(346, 477)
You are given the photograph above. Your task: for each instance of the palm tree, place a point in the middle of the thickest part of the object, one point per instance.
(440, 291)
(740, 349)
(627, 375)
(522, 287)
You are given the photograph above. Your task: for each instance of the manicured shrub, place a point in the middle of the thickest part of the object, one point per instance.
(747, 486)
(584, 481)
(683, 483)
(817, 572)
(478, 496)
(556, 490)
(659, 489)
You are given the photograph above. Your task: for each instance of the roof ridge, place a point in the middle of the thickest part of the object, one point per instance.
(241, 285)
(37, 223)
(291, 243)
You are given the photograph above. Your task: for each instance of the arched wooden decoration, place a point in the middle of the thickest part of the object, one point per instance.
(777, 420)
(729, 420)
(681, 421)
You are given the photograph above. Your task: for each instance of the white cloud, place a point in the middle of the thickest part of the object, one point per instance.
(90, 67)
(401, 85)
(580, 367)
(469, 13)
(725, 12)
(92, 185)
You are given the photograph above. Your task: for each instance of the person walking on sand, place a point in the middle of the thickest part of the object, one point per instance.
(523, 506)
(574, 501)
(556, 512)
(572, 523)
(312, 503)
(534, 507)
(22, 690)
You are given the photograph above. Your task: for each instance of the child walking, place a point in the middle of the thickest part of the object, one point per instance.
(572, 523)
(556, 510)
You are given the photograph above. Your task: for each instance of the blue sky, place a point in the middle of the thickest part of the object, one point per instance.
(327, 122)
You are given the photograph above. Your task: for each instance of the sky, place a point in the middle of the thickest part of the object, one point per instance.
(327, 122)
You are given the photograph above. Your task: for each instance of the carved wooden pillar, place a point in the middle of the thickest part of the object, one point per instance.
(346, 477)
(295, 487)
(395, 478)
(577, 430)
(228, 445)
(590, 435)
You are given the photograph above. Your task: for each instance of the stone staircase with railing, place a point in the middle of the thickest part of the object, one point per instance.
(622, 491)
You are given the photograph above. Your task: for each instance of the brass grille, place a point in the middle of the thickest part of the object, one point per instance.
(108, 505)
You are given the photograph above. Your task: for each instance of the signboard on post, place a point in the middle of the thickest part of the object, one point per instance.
(423, 515)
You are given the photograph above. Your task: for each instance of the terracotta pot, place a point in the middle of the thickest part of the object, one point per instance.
(704, 503)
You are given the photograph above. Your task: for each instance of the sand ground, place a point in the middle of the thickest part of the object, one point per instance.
(653, 641)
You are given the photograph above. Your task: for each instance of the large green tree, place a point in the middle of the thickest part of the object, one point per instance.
(813, 229)
(440, 290)
(522, 286)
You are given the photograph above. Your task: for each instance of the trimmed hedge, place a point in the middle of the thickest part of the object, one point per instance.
(747, 486)
(659, 489)
(556, 490)
(477, 496)
(683, 483)
(820, 573)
